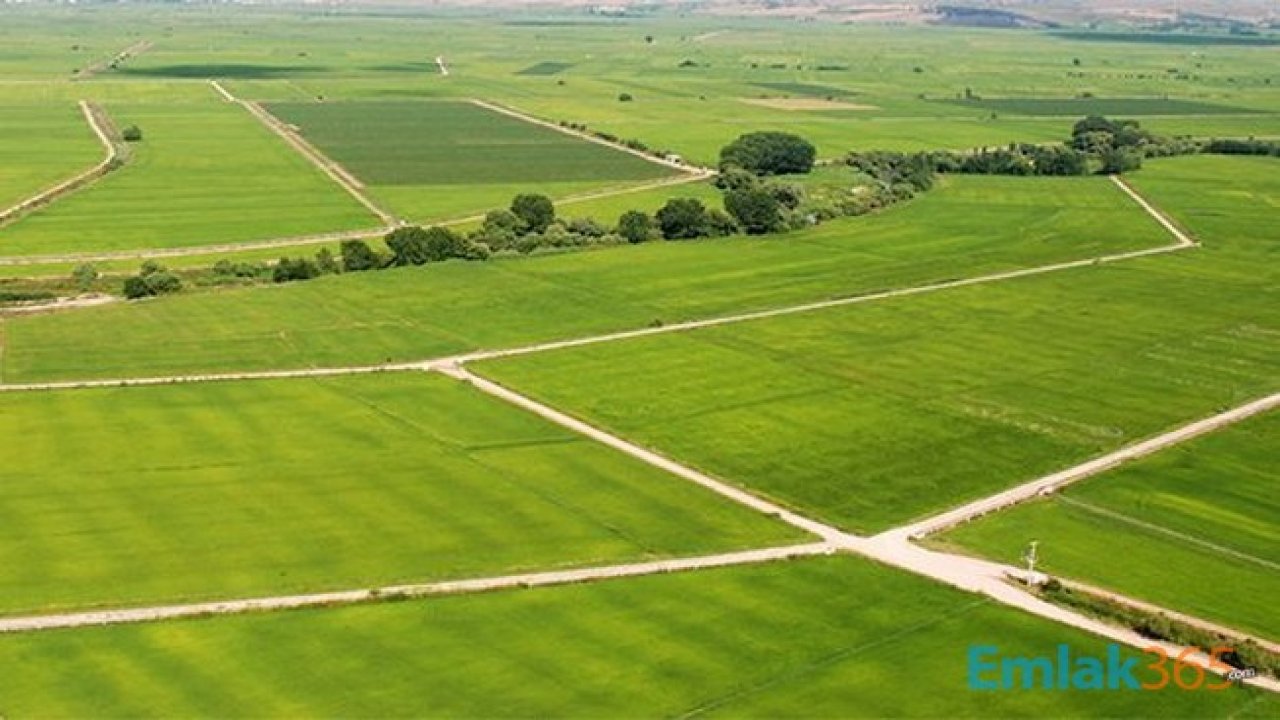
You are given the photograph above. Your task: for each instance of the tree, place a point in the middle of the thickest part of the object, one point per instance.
(625, 97)
(735, 178)
(84, 276)
(682, 218)
(357, 256)
(132, 134)
(635, 226)
(536, 212)
(756, 210)
(769, 153)
(408, 246)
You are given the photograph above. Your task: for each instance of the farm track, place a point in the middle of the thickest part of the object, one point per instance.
(132, 51)
(103, 130)
(893, 547)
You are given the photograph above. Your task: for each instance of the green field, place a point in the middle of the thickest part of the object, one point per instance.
(425, 312)
(441, 159)
(42, 145)
(206, 173)
(243, 489)
(812, 638)
(549, 67)
(1192, 528)
(872, 415)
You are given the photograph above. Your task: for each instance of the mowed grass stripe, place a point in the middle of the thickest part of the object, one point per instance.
(445, 143)
(834, 636)
(252, 489)
(871, 415)
(1203, 519)
(956, 231)
(205, 173)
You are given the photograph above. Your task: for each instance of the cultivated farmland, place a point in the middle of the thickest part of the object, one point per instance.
(1189, 523)
(273, 496)
(41, 146)
(441, 159)
(205, 174)
(417, 313)
(831, 635)
(871, 415)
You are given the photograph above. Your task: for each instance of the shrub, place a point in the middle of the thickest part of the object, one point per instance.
(756, 210)
(152, 280)
(535, 212)
(682, 218)
(289, 270)
(357, 256)
(635, 226)
(132, 134)
(84, 275)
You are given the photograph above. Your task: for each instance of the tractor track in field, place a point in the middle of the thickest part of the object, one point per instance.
(115, 153)
(894, 547)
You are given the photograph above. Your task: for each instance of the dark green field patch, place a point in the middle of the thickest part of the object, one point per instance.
(804, 89)
(545, 68)
(1049, 107)
(453, 143)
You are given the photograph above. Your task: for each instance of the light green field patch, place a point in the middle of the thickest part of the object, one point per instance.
(204, 174)
(242, 489)
(40, 146)
(416, 313)
(818, 637)
(872, 415)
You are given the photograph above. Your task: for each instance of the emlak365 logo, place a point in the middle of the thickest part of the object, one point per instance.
(988, 669)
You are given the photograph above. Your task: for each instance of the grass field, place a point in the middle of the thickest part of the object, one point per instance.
(872, 415)
(443, 309)
(205, 173)
(41, 146)
(442, 159)
(812, 638)
(259, 488)
(1193, 528)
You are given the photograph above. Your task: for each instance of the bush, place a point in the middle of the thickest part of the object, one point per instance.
(635, 226)
(415, 246)
(756, 210)
(625, 97)
(682, 218)
(536, 212)
(769, 153)
(152, 280)
(289, 270)
(357, 256)
(84, 276)
(132, 134)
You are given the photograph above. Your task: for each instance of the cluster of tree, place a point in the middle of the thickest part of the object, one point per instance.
(153, 279)
(1017, 159)
(1251, 146)
(769, 153)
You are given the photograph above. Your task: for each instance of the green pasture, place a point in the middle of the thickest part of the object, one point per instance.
(808, 638)
(872, 415)
(972, 225)
(1192, 529)
(40, 146)
(1080, 107)
(205, 174)
(242, 489)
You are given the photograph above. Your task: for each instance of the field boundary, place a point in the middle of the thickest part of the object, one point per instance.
(700, 171)
(35, 623)
(100, 123)
(1052, 483)
(133, 50)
